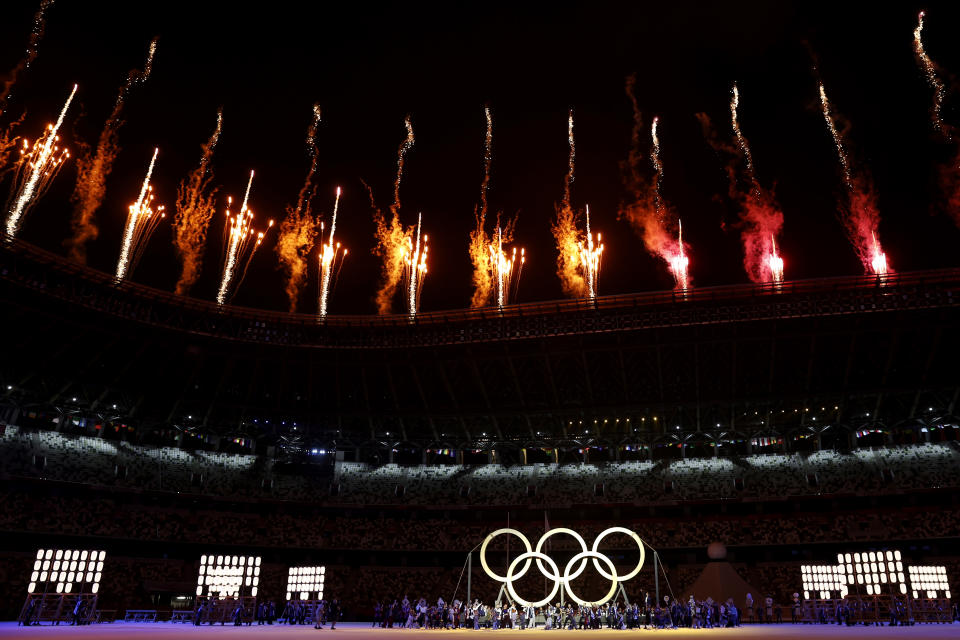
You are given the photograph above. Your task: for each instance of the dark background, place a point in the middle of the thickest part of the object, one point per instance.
(369, 65)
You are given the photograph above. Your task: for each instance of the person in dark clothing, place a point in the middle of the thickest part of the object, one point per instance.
(333, 613)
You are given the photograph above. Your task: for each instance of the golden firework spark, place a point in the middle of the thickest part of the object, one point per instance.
(506, 269)
(142, 221)
(330, 259)
(37, 167)
(590, 253)
(298, 230)
(195, 209)
(415, 266)
(93, 168)
(679, 262)
(393, 240)
(241, 241)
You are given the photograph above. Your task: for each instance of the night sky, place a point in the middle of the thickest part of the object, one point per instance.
(368, 66)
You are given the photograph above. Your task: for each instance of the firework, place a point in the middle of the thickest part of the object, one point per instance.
(36, 169)
(330, 258)
(142, 221)
(647, 211)
(933, 79)
(761, 219)
(195, 208)
(589, 253)
(506, 270)
(480, 247)
(775, 263)
(566, 234)
(860, 214)
(93, 169)
(241, 241)
(393, 240)
(299, 229)
(36, 35)
(415, 267)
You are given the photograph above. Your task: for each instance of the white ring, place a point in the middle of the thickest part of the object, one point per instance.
(571, 532)
(589, 554)
(636, 538)
(483, 554)
(557, 578)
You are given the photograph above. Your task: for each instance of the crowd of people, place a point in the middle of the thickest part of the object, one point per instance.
(648, 614)
(99, 461)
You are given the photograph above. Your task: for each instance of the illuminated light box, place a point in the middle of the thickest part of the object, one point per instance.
(66, 571)
(305, 583)
(228, 576)
(929, 581)
(874, 573)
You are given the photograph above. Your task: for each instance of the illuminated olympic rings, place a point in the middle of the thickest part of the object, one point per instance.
(552, 572)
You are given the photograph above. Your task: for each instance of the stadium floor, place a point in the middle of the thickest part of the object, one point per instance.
(358, 631)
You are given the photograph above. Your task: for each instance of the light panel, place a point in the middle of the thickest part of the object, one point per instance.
(305, 583)
(228, 576)
(929, 581)
(66, 571)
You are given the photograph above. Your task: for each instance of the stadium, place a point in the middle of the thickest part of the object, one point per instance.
(764, 455)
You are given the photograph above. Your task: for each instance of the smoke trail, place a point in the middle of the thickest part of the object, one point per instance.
(392, 238)
(860, 214)
(195, 207)
(142, 221)
(479, 240)
(36, 169)
(645, 209)
(761, 219)
(36, 35)
(298, 231)
(92, 170)
(933, 79)
(564, 228)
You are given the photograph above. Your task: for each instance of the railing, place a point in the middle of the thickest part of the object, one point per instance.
(19, 263)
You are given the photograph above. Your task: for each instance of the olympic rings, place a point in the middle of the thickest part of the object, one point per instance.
(556, 577)
(596, 556)
(571, 532)
(567, 577)
(636, 538)
(483, 554)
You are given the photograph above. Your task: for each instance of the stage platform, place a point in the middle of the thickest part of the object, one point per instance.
(363, 631)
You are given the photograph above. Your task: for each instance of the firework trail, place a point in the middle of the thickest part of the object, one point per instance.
(761, 219)
(646, 210)
(330, 257)
(565, 232)
(393, 240)
(590, 253)
(142, 221)
(860, 214)
(36, 35)
(415, 267)
(299, 229)
(949, 171)
(933, 79)
(93, 169)
(480, 250)
(241, 241)
(36, 169)
(195, 208)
